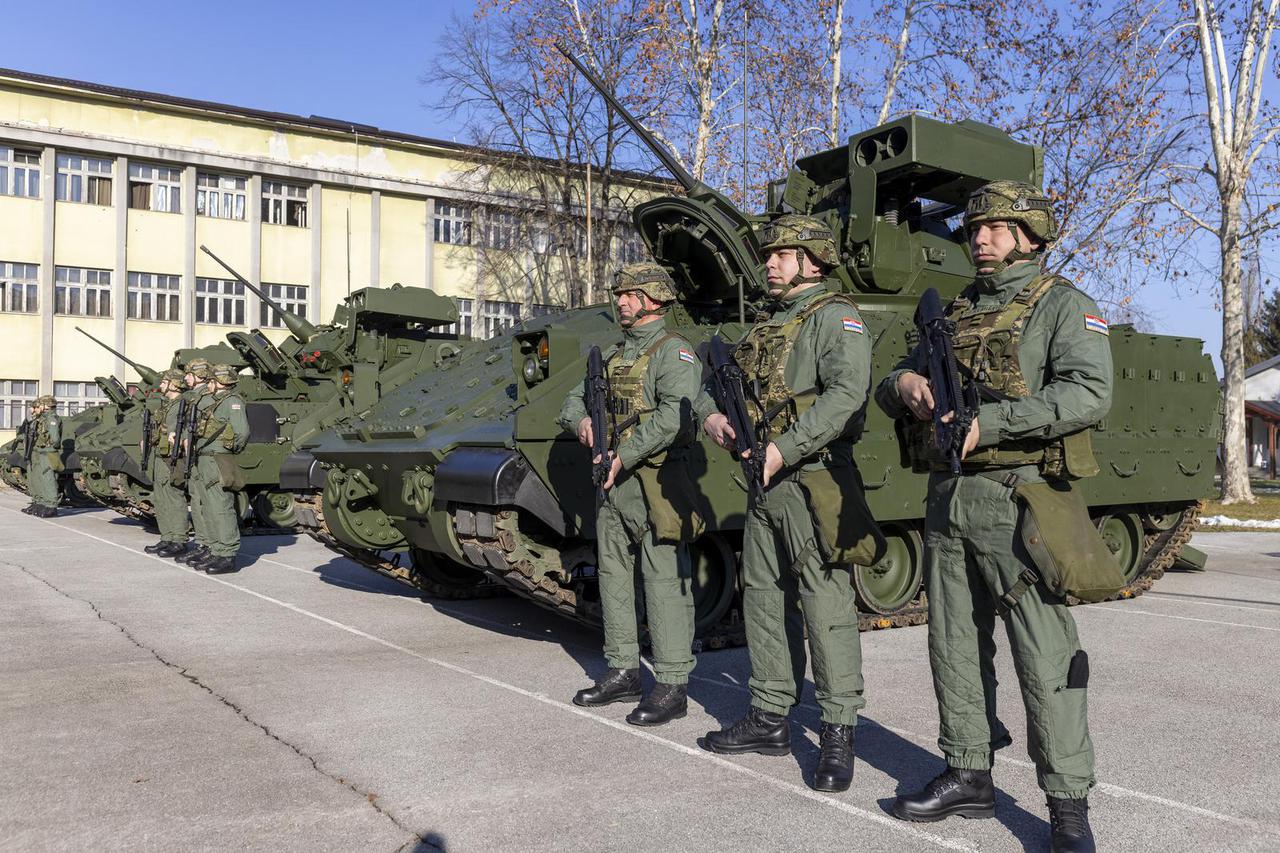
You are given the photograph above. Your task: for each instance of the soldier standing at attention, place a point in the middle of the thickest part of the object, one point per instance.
(811, 363)
(652, 380)
(222, 430)
(169, 500)
(1044, 345)
(199, 379)
(46, 446)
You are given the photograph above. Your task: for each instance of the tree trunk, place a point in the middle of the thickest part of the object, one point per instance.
(1235, 446)
(837, 44)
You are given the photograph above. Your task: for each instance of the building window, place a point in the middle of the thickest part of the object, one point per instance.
(83, 179)
(453, 224)
(499, 316)
(284, 204)
(219, 301)
(19, 288)
(157, 188)
(153, 296)
(220, 196)
(462, 328)
(290, 297)
(539, 310)
(500, 229)
(16, 397)
(630, 248)
(75, 397)
(82, 292)
(19, 172)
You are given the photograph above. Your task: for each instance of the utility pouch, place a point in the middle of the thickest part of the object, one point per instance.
(230, 476)
(177, 473)
(677, 511)
(847, 531)
(54, 459)
(1065, 544)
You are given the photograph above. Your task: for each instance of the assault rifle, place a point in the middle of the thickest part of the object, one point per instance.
(175, 452)
(29, 440)
(193, 434)
(729, 384)
(148, 431)
(601, 419)
(951, 395)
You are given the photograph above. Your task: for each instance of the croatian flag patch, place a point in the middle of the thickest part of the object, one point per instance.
(685, 355)
(853, 324)
(1096, 324)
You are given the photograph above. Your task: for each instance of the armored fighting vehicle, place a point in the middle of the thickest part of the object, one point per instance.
(317, 376)
(465, 470)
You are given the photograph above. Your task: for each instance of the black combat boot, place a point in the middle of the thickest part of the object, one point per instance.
(968, 793)
(157, 547)
(29, 507)
(759, 731)
(217, 565)
(665, 702)
(45, 512)
(1069, 823)
(835, 763)
(172, 549)
(617, 685)
(197, 553)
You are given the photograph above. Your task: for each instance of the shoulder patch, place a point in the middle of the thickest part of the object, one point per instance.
(687, 355)
(236, 406)
(1096, 324)
(853, 324)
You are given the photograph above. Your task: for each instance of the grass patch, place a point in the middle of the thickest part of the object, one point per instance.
(1266, 508)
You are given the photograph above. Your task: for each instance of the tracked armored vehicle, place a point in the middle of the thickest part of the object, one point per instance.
(466, 468)
(318, 376)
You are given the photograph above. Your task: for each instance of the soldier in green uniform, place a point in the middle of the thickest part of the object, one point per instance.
(169, 500)
(222, 431)
(199, 381)
(652, 379)
(1042, 344)
(46, 460)
(811, 361)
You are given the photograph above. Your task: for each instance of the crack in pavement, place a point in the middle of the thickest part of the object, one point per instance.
(420, 842)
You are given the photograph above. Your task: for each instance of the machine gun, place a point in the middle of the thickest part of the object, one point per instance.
(602, 419)
(297, 326)
(951, 395)
(148, 375)
(729, 384)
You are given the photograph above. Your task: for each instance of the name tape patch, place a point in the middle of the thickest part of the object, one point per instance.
(1096, 324)
(685, 355)
(853, 324)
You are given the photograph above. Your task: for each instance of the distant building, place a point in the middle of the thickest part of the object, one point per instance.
(106, 195)
(1262, 413)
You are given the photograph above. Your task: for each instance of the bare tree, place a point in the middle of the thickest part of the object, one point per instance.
(1241, 126)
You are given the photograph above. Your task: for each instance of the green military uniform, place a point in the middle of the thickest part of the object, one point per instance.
(222, 429)
(169, 500)
(1043, 346)
(817, 341)
(42, 470)
(654, 375)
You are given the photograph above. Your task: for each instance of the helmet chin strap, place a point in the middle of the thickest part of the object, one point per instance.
(799, 278)
(1015, 254)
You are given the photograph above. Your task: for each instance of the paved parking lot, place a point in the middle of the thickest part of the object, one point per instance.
(305, 703)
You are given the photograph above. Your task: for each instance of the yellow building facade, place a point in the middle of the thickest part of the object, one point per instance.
(107, 194)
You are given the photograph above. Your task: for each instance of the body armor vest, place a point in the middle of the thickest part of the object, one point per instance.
(43, 440)
(209, 427)
(763, 354)
(626, 389)
(160, 432)
(987, 347)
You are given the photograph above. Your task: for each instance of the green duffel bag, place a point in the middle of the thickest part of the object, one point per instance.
(1065, 544)
(845, 525)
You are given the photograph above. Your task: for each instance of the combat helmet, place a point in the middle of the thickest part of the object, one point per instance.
(45, 401)
(649, 278)
(1013, 201)
(200, 368)
(794, 231)
(173, 376)
(225, 374)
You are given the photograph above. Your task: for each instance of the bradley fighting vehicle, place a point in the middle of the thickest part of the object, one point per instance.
(465, 467)
(317, 376)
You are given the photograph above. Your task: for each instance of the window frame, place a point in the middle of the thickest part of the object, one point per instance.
(23, 175)
(30, 288)
(82, 180)
(291, 297)
(288, 200)
(160, 293)
(237, 194)
(221, 300)
(17, 402)
(84, 288)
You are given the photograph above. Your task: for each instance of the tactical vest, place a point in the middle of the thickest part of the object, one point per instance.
(763, 354)
(988, 345)
(159, 419)
(209, 427)
(43, 439)
(626, 389)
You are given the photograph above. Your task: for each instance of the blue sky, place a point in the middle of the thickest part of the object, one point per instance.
(360, 62)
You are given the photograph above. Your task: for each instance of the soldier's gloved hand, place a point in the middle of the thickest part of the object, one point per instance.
(585, 436)
(916, 396)
(772, 462)
(718, 429)
(615, 468)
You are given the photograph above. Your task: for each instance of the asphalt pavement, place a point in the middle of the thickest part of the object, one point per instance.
(306, 703)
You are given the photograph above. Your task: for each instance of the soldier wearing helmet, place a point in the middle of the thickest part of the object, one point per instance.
(811, 364)
(222, 430)
(169, 500)
(45, 459)
(198, 376)
(648, 517)
(1039, 350)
